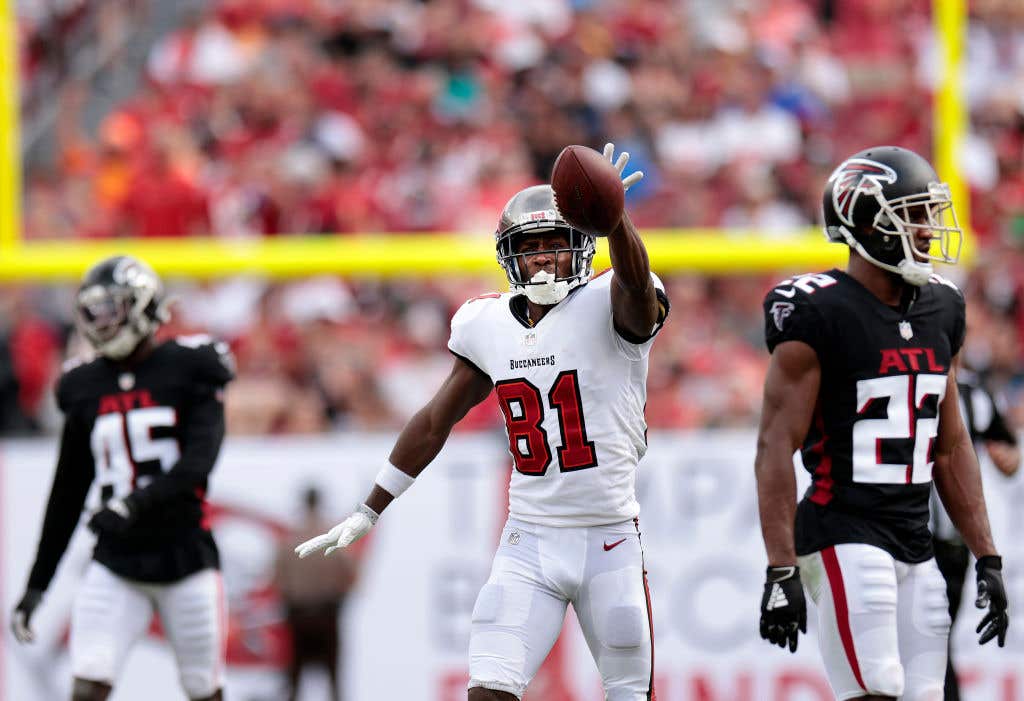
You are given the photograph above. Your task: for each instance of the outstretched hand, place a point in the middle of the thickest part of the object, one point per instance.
(620, 165)
(341, 536)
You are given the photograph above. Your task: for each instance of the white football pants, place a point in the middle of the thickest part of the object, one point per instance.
(111, 613)
(882, 624)
(537, 572)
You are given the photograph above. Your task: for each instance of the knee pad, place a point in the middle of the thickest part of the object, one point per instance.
(488, 604)
(95, 663)
(503, 605)
(623, 627)
(199, 684)
(877, 582)
(618, 608)
(884, 678)
(497, 654)
(931, 606)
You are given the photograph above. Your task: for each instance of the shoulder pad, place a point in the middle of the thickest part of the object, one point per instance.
(74, 372)
(474, 307)
(195, 341)
(478, 298)
(806, 284)
(73, 362)
(952, 299)
(79, 365)
(602, 279)
(936, 279)
(463, 341)
(791, 311)
(212, 360)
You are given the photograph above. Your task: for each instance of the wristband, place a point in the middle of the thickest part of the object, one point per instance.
(781, 574)
(991, 562)
(369, 513)
(392, 480)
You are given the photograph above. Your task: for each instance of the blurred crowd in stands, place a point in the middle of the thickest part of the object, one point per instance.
(278, 117)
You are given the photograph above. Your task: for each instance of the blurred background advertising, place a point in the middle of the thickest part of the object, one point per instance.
(318, 181)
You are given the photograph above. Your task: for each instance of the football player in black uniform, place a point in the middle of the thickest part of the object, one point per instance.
(144, 421)
(991, 429)
(862, 382)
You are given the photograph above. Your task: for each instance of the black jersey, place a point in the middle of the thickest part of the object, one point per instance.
(870, 445)
(152, 431)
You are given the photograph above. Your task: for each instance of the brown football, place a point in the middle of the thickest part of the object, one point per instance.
(588, 191)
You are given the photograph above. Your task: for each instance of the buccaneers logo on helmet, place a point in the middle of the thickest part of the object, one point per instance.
(856, 177)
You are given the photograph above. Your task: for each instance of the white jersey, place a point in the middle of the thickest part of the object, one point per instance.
(572, 391)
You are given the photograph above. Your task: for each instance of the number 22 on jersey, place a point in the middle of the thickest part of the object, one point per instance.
(522, 404)
(121, 441)
(906, 395)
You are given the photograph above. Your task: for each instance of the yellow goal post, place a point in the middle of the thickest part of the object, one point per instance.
(425, 255)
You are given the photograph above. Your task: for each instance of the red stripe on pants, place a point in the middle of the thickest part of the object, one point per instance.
(650, 615)
(835, 580)
(650, 622)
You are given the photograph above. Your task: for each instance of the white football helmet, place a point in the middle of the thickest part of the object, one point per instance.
(533, 211)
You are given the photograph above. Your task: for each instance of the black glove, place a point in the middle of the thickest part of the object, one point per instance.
(783, 609)
(991, 594)
(116, 517)
(22, 616)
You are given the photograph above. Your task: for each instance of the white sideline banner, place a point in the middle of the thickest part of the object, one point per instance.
(406, 626)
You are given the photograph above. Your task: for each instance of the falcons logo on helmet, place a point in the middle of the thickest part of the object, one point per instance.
(853, 178)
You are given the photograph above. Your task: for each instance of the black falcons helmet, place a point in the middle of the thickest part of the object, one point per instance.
(881, 200)
(533, 211)
(119, 304)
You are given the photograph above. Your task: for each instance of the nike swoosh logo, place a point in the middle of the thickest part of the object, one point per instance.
(616, 543)
(786, 293)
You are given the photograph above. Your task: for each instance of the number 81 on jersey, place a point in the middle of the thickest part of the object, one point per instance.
(523, 408)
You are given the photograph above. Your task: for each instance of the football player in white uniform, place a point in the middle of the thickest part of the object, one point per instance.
(567, 357)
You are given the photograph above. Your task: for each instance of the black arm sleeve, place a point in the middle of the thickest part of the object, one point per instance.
(998, 430)
(74, 475)
(204, 432)
(663, 309)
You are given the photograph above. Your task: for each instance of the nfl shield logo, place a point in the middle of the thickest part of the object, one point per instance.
(530, 339)
(126, 381)
(906, 331)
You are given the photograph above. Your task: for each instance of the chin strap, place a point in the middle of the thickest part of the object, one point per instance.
(122, 345)
(916, 274)
(913, 272)
(545, 290)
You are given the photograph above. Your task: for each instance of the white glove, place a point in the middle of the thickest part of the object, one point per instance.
(620, 165)
(341, 536)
